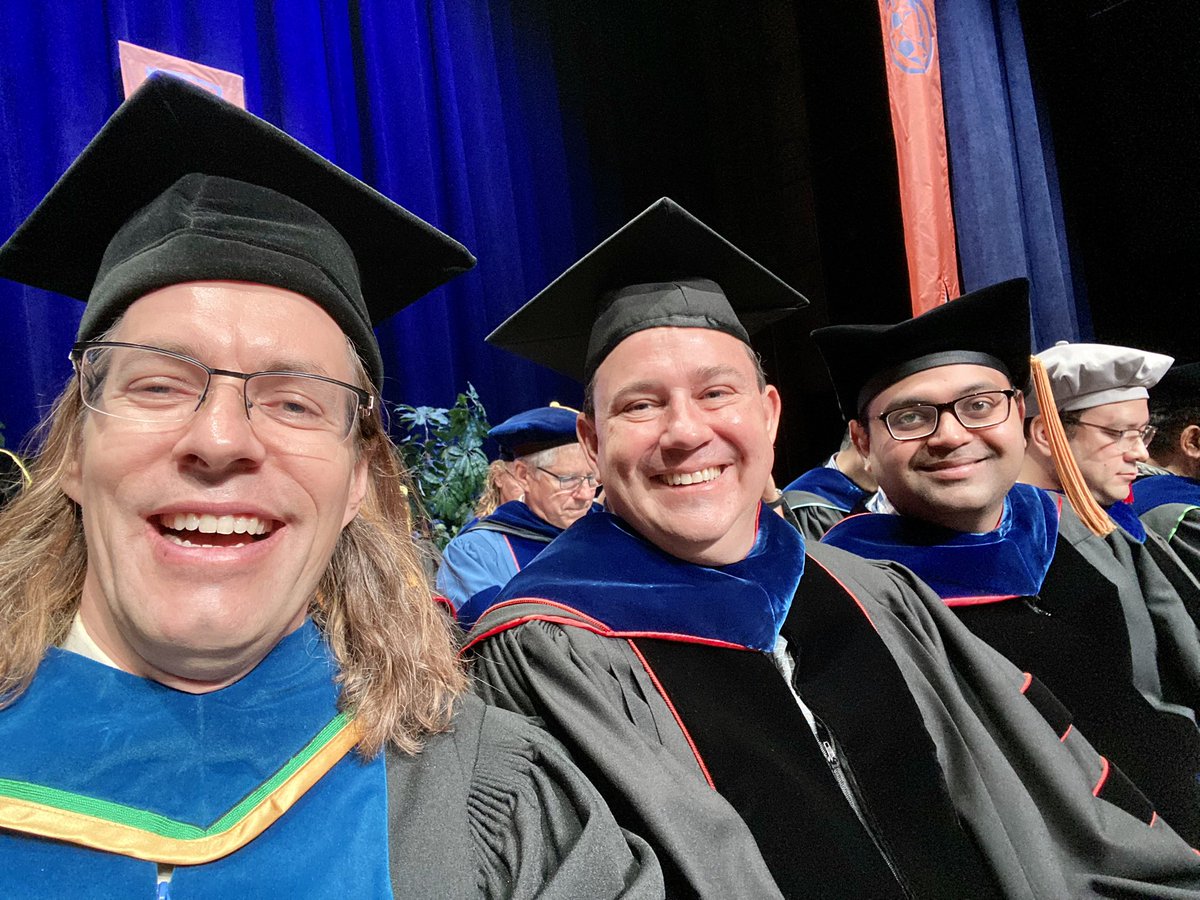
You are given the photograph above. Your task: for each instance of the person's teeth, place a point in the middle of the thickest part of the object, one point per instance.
(680, 478)
(184, 542)
(210, 524)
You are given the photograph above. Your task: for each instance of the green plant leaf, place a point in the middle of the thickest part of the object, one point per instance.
(443, 450)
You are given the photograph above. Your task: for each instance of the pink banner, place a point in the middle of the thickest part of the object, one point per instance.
(915, 96)
(139, 63)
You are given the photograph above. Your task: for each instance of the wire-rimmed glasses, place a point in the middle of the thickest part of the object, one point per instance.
(1124, 438)
(138, 383)
(571, 482)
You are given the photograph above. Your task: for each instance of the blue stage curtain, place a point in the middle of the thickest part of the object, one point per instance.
(450, 108)
(1007, 207)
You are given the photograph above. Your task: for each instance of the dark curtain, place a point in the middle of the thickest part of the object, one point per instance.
(1007, 207)
(447, 106)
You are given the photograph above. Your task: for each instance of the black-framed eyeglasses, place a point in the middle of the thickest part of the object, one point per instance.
(985, 409)
(139, 383)
(1124, 438)
(571, 482)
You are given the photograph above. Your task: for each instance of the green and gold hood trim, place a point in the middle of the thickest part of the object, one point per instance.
(117, 828)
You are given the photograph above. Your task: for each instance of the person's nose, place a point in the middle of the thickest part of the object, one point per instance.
(949, 432)
(1138, 452)
(585, 489)
(219, 435)
(686, 427)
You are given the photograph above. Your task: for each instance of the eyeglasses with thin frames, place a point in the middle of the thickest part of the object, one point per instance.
(571, 482)
(985, 409)
(139, 383)
(1124, 438)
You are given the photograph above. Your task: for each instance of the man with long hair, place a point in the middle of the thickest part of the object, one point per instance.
(212, 616)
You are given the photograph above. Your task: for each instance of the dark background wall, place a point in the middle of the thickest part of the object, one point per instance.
(531, 129)
(769, 121)
(1120, 81)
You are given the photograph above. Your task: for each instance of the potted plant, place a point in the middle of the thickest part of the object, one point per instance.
(443, 450)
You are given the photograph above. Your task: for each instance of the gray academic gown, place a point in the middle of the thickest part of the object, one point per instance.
(1155, 590)
(812, 514)
(1177, 554)
(530, 826)
(1179, 525)
(1021, 790)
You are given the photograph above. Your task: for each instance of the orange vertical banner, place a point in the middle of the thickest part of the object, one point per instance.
(915, 96)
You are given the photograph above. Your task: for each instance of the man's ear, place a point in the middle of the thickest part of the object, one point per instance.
(520, 473)
(358, 490)
(1038, 435)
(1189, 442)
(861, 437)
(772, 405)
(585, 430)
(71, 480)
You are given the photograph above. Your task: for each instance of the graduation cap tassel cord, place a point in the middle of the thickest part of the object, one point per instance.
(1069, 476)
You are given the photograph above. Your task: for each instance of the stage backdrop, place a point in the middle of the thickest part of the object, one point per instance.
(530, 129)
(448, 107)
(1007, 207)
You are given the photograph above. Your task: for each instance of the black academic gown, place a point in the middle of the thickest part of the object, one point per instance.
(662, 707)
(494, 808)
(1078, 612)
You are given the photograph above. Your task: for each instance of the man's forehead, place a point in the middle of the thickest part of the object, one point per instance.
(654, 353)
(199, 318)
(567, 454)
(1124, 413)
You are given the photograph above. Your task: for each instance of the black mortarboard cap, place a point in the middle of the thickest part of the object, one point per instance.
(987, 327)
(663, 268)
(181, 186)
(535, 429)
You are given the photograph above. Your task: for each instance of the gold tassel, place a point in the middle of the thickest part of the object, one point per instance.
(1069, 476)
